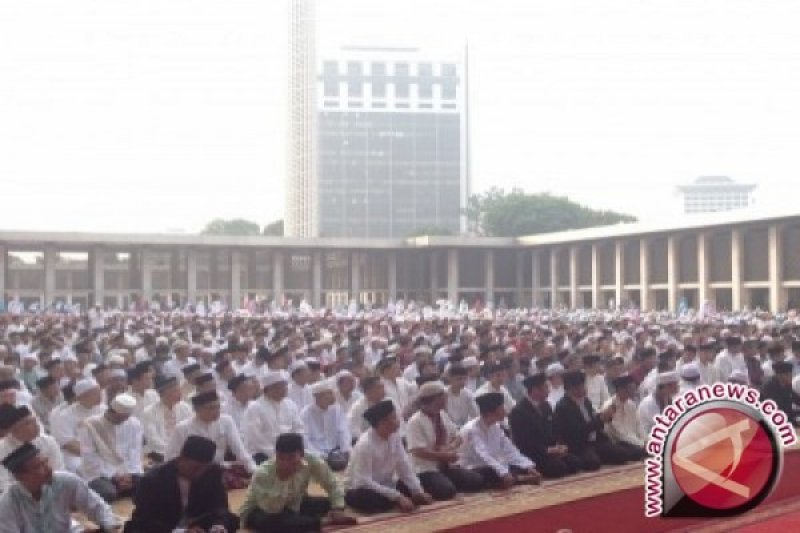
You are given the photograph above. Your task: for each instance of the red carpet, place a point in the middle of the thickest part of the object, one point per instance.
(623, 511)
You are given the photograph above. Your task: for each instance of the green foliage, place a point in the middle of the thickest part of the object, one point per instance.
(498, 214)
(234, 226)
(274, 228)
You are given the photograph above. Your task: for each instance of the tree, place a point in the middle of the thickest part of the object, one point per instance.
(234, 226)
(430, 231)
(498, 214)
(274, 228)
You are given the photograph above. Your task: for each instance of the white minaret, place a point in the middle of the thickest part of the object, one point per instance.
(300, 219)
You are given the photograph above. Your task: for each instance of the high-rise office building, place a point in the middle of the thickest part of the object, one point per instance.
(300, 218)
(391, 142)
(709, 194)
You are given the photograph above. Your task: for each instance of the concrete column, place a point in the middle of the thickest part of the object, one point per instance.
(573, 277)
(452, 276)
(489, 282)
(49, 275)
(703, 290)
(644, 275)
(316, 279)
(277, 277)
(191, 276)
(433, 262)
(553, 278)
(520, 279)
(355, 276)
(596, 303)
(777, 293)
(96, 271)
(619, 275)
(536, 299)
(737, 268)
(3, 261)
(236, 279)
(147, 279)
(673, 273)
(392, 275)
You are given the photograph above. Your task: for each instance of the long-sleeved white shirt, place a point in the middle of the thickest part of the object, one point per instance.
(347, 404)
(235, 409)
(648, 409)
(222, 432)
(489, 446)
(461, 407)
(64, 424)
(726, 363)
(709, 373)
(400, 392)
(376, 463)
(154, 422)
(421, 433)
(508, 401)
(127, 445)
(597, 390)
(624, 425)
(326, 430)
(46, 445)
(264, 420)
(143, 401)
(300, 395)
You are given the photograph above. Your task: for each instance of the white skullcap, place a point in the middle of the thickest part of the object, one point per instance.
(344, 374)
(393, 348)
(271, 378)
(470, 362)
(123, 404)
(69, 357)
(85, 385)
(297, 365)
(119, 373)
(737, 376)
(430, 388)
(690, 371)
(422, 349)
(116, 359)
(30, 356)
(554, 369)
(511, 350)
(665, 378)
(321, 386)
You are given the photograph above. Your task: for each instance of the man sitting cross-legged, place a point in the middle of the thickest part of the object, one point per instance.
(433, 443)
(488, 451)
(375, 460)
(277, 499)
(186, 492)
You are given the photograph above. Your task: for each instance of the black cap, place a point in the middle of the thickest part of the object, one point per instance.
(490, 368)
(51, 363)
(591, 359)
(10, 415)
(199, 449)
(574, 378)
(204, 398)
(782, 367)
(263, 354)
(489, 402)
(43, 383)
(188, 369)
(622, 381)
(379, 411)
(289, 443)
(9, 384)
(164, 382)
(220, 366)
(535, 380)
(385, 363)
(205, 377)
(236, 381)
(136, 372)
(16, 460)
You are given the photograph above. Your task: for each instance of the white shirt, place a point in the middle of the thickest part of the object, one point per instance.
(156, 431)
(555, 395)
(508, 401)
(300, 395)
(235, 409)
(222, 432)
(347, 404)
(489, 446)
(709, 374)
(726, 363)
(400, 392)
(264, 420)
(326, 430)
(46, 444)
(64, 424)
(127, 445)
(624, 425)
(648, 409)
(143, 401)
(374, 462)
(597, 390)
(461, 407)
(421, 433)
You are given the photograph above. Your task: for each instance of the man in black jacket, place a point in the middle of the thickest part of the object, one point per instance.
(531, 422)
(186, 492)
(779, 389)
(577, 425)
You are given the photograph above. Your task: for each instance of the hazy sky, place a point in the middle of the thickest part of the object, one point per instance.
(154, 115)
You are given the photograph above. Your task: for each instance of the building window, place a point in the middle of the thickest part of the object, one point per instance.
(401, 74)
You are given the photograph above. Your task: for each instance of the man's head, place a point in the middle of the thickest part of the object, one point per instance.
(28, 466)
(206, 406)
(457, 377)
(388, 368)
(495, 373)
(168, 389)
(490, 406)
(276, 385)
(204, 383)
(289, 454)
(432, 397)
(382, 417)
(783, 372)
(536, 387)
(373, 389)
(345, 382)
(19, 422)
(88, 393)
(625, 387)
(667, 384)
(575, 384)
(196, 457)
(48, 387)
(121, 408)
(323, 394)
(240, 387)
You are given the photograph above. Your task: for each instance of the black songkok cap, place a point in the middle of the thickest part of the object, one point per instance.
(622, 381)
(263, 354)
(289, 443)
(199, 449)
(591, 359)
(236, 381)
(43, 383)
(574, 378)
(204, 398)
(16, 460)
(9, 384)
(188, 369)
(164, 382)
(489, 402)
(535, 380)
(10, 415)
(379, 411)
(782, 367)
(203, 378)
